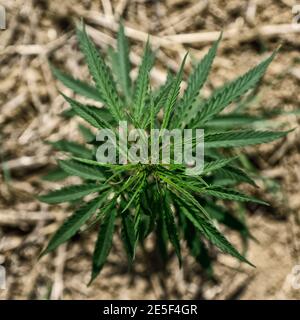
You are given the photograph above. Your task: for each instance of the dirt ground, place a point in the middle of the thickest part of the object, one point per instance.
(30, 107)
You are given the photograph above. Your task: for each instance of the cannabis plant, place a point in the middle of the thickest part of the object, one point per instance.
(136, 199)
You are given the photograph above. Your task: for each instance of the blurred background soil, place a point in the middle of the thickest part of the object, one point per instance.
(30, 108)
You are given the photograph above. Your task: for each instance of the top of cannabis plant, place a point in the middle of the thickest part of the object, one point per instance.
(140, 198)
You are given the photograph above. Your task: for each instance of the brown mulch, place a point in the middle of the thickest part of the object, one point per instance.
(30, 107)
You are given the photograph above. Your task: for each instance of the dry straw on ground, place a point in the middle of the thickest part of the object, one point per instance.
(38, 31)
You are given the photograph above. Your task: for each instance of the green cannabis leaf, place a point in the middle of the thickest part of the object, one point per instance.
(139, 199)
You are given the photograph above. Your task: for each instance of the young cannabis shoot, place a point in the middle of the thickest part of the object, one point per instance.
(143, 198)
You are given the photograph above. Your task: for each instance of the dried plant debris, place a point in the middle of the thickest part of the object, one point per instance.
(39, 31)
